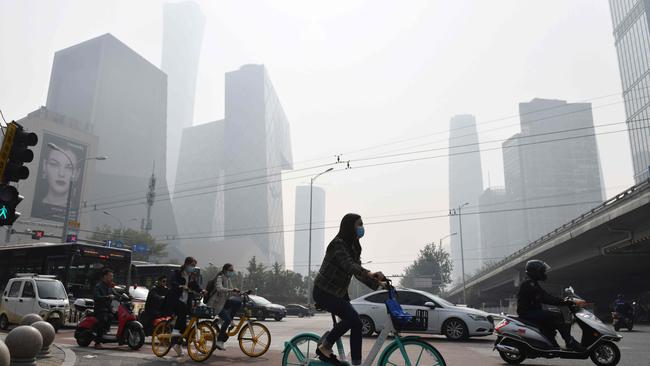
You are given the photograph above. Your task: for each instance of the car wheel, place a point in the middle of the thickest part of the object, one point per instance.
(301, 315)
(56, 324)
(4, 322)
(455, 329)
(367, 326)
(278, 318)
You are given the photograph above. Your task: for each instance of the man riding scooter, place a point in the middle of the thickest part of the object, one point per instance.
(623, 313)
(529, 306)
(103, 295)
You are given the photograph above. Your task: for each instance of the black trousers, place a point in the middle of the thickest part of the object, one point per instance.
(103, 324)
(349, 320)
(182, 311)
(548, 322)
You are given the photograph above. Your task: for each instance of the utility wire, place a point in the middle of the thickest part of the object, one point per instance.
(373, 165)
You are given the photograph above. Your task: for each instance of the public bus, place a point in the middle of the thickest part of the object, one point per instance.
(77, 266)
(145, 273)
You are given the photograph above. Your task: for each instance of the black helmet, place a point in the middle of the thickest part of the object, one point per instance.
(536, 269)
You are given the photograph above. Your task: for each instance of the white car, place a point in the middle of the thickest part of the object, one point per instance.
(455, 322)
(27, 294)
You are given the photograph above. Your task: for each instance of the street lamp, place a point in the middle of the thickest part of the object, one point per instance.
(462, 254)
(311, 192)
(66, 219)
(118, 220)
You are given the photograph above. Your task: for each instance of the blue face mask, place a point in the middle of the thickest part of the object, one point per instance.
(360, 231)
(190, 269)
(230, 274)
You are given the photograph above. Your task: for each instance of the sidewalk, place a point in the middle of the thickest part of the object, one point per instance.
(57, 356)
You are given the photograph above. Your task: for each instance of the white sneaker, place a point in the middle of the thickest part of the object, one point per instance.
(179, 350)
(220, 345)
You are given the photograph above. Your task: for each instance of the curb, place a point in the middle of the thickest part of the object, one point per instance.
(70, 356)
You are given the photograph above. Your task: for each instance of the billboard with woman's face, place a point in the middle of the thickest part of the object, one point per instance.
(56, 170)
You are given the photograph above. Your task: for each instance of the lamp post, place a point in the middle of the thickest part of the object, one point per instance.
(311, 192)
(66, 219)
(462, 254)
(118, 220)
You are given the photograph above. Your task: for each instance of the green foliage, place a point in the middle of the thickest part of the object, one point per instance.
(156, 252)
(275, 283)
(433, 263)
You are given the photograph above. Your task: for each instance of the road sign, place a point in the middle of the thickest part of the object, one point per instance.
(140, 248)
(422, 282)
(72, 224)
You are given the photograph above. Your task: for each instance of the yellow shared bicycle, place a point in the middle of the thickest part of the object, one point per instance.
(199, 335)
(254, 337)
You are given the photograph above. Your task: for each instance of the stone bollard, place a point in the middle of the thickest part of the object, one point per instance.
(47, 332)
(30, 319)
(24, 343)
(4, 354)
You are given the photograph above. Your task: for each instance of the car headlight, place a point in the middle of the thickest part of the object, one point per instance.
(43, 305)
(478, 318)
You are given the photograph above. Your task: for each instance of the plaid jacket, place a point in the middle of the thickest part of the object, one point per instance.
(341, 262)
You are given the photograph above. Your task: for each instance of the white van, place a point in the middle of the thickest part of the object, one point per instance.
(30, 293)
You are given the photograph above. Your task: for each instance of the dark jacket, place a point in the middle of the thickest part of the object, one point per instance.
(531, 297)
(175, 290)
(102, 297)
(155, 299)
(341, 262)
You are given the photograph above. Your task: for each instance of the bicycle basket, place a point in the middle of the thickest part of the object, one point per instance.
(403, 320)
(203, 312)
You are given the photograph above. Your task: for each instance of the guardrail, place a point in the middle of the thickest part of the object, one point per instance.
(617, 199)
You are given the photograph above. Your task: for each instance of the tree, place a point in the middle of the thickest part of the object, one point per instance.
(130, 237)
(432, 268)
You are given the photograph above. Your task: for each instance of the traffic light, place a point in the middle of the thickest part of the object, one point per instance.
(15, 152)
(38, 234)
(9, 199)
(71, 238)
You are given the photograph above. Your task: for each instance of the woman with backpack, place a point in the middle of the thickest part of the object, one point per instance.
(220, 298)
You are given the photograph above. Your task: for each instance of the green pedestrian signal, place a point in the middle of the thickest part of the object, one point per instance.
(3, 212)
(9, 199)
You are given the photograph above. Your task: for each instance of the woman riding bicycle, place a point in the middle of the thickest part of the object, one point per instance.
(181, 295)
(223, 303)
(342, 261)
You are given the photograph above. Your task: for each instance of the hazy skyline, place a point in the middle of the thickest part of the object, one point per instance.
(356, 74)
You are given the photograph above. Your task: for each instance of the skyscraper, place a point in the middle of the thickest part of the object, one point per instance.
(198, 196)
(123, 98)
(183, 25)
(631, 22)
(552, 169)
(301, 235)
(257, 148)
(465, 186)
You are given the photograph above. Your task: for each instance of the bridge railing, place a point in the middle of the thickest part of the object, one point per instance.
(617, 199)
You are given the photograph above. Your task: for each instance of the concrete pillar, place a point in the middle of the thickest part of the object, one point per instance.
(47, 332)
(5, 358)
(30, 319)
(24, 343)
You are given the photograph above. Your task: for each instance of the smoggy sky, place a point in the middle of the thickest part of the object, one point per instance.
(357, 74)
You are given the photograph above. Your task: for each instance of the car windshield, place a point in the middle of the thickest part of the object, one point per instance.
(52, 290)
(442, 301)
(260, 300)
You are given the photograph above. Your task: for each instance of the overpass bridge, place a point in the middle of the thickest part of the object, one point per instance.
(603, 252)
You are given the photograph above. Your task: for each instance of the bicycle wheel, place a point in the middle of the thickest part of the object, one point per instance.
(415, 353)
(215, 330)
(254, 339)
(300, 349)
(161, 339)
(200, 342)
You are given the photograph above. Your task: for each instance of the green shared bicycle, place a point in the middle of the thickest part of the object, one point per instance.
(402, 351)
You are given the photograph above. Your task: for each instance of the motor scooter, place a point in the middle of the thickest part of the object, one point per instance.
(518, 339)
(129, 330)
(623, 320)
